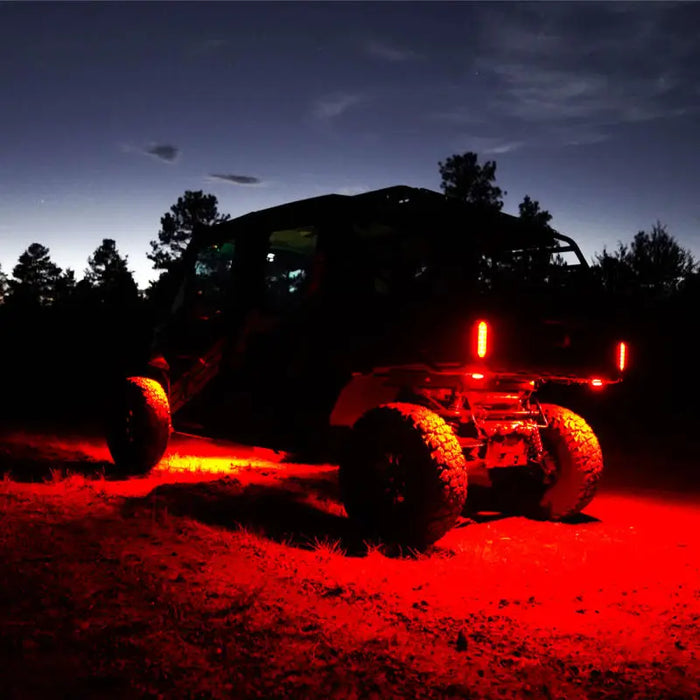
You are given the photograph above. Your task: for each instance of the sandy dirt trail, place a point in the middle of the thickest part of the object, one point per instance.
(231, 573)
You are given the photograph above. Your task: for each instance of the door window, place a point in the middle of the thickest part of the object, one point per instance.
(212, 279)
(288, 268)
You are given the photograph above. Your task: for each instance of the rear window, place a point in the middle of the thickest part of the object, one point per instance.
(444, 260)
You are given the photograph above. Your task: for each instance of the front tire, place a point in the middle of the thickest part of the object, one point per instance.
(403, 477)
(138, 426)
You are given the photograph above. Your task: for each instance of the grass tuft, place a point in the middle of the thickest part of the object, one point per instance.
(327, 548)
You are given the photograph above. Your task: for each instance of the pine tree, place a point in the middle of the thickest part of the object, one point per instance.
(531, 212)
(108, 278)
(3, 285)
(464, 178)
(177, 225)
(35, 278)
(653, 264)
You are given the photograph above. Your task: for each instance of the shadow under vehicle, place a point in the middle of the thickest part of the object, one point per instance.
(405, 329)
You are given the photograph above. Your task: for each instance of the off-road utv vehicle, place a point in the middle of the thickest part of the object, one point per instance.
(407, 329)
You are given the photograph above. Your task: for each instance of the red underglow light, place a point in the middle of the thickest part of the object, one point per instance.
(596, 383)
(477, 375)
(482, 338)
(621, 356)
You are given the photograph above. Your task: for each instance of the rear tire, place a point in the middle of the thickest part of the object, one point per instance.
(138, 426)
(573, 446)
(573, 458)
(403, 477)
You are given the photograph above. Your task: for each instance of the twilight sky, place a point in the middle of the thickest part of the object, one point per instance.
(110, 111)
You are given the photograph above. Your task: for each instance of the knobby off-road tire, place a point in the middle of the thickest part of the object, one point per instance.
(138, 426)
(403, 476)
(574, 458)
(573, 446)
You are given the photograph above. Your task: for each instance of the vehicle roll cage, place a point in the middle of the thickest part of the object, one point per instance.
(493, 231)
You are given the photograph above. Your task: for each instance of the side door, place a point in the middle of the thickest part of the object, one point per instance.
(274, 340)
(204, 320)
(265, 360)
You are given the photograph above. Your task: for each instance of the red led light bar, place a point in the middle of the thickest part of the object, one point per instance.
(482, 339)
(621, 356)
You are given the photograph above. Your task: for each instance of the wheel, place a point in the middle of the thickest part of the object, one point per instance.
(403, 476)
(138, 427)
(573, 463)
(577, 462)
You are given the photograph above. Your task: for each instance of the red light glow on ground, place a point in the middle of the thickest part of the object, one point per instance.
(208, 458)
(238, 541)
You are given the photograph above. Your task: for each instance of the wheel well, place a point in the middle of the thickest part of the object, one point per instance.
(359, 395)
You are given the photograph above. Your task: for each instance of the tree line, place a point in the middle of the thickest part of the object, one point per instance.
(653, 265)
(107, 281)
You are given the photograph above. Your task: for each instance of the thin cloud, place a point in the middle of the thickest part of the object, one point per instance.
(236, 179)
(552, 77)
(163, 151)
(539, 94)
(389, 52)
(578, 136)
(537, 137)
(332, 106)
(489, 145)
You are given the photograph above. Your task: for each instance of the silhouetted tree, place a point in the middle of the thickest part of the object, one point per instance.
(35, 278)
(108, 278)
(464, 178)
(176, 226)
(540, 264)
(3, 285)
(660, 264)
(613, 271)
(653, 264)
(530, 211)
(65, 286)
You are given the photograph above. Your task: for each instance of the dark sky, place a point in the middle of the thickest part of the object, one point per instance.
(111, 111)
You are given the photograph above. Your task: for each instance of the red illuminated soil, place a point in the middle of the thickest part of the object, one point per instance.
(230, 573)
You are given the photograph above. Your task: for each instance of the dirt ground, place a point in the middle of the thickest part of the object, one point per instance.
(231, 573)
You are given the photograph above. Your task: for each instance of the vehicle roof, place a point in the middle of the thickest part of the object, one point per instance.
(401, 202)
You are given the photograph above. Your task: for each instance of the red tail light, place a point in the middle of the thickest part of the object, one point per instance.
(482, 339)
(621, 356)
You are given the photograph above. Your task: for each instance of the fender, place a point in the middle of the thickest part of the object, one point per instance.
(362, 392)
